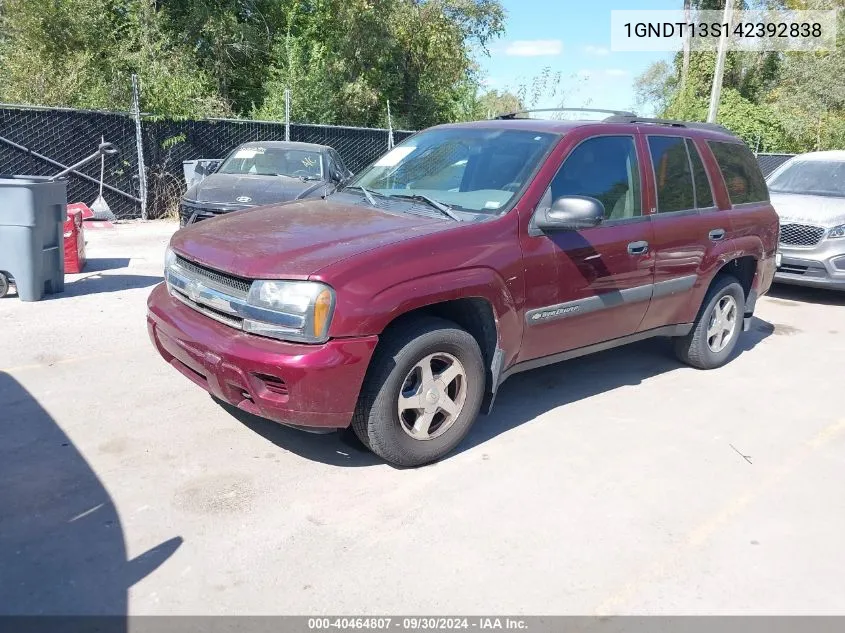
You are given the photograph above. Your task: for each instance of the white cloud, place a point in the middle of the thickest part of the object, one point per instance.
(615, 72)
(534, 48)
(596, 51)
(584, 73)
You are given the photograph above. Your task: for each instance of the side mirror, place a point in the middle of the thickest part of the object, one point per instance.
(570, 213)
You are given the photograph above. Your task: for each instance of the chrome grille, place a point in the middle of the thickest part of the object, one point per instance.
(224, 298)
(217, 315)
(800, 234)
(230, 283)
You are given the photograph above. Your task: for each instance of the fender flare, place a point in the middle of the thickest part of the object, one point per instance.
(477, 282)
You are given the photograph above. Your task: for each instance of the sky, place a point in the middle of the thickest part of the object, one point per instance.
(573, 38)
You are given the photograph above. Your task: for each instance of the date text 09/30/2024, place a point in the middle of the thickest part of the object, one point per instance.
(416, 623)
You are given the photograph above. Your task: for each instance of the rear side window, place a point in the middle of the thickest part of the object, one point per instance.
(741, 172)
(605, 168)
(703, 193)
(671, 173)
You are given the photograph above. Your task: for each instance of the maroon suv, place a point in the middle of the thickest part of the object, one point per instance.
(464, 255)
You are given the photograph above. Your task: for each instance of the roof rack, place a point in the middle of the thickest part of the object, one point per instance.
(624, 118)
(618, 113)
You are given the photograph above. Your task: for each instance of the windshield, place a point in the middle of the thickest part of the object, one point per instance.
(274, 161)
(471, 169)
(813, 177)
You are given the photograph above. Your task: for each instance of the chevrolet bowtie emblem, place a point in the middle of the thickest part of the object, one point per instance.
(194, 290)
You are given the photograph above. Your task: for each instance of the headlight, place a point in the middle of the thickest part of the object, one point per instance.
(290, 310)
(837, 231)
(169, 258)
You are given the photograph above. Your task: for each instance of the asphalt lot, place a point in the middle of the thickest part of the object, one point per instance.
(619, 483)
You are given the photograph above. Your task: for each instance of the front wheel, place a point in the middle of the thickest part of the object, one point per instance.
(717, 329)
(4, 285)
(422, 393)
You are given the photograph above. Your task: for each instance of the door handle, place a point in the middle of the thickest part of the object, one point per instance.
(638, 248)
(716, 234)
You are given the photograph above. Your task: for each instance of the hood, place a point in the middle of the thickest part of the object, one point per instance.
(297, 239)
(227, 188)
(823, 211)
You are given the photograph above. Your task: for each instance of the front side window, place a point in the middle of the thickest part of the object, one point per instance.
(473, 169)
(810, 177)
(672, 175)
(275, 161)
(604, 168)
(741, 172)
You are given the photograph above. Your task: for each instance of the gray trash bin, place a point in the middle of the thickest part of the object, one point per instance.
(33, 210)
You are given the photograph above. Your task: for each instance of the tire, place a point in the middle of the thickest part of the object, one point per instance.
(395, 370)
(701, 351)
(4, 285)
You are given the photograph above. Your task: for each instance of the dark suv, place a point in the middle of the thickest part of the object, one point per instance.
(464, 255)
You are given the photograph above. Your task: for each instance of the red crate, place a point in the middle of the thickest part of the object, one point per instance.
(74, 240)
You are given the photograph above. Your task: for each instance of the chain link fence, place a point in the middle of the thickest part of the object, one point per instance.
(167, 143)
(770, 162)
(43, 141)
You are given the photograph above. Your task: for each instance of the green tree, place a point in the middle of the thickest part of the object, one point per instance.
(342, 60)
(82, 53)
(655, 87)
(494, 102)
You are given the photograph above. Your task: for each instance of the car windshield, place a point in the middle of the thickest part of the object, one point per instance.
(274, 161)
(473, 169)
(813, 177)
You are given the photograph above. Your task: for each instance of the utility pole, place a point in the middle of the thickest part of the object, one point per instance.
(685, 67)
(720, 63)
(389, 127)
(139, 147)
(287, 114)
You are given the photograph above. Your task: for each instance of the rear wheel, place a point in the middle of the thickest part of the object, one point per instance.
(718, 327)
(422, 393)
(4, 285)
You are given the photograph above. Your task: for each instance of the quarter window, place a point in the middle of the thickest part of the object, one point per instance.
(604, 168)
(703, 192)
(672, 175)
(741, 172)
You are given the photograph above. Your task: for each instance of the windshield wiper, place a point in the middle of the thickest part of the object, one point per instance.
(445, 209)
(366, 193)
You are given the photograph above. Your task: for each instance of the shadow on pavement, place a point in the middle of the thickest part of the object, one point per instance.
(62, 548)
(97, 283)
(335, 448)
(530, 394)
(805, 294)
(95, 264)
(521, 399)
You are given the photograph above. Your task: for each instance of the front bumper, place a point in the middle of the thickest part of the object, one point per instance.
(290, 383)
(822, 266)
